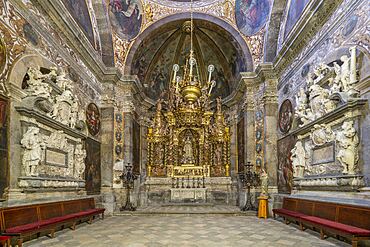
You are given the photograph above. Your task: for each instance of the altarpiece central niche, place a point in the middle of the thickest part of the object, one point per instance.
(187, 138)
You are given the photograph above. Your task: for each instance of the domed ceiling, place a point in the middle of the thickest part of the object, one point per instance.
(170, 44)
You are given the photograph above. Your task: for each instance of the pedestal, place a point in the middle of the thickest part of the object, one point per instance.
(262, 207)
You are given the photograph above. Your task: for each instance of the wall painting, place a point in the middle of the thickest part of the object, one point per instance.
(285, 169)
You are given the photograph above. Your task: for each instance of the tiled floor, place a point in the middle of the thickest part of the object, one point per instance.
(185, 230)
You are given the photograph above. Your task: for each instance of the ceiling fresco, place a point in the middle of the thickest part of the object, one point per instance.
(170, 44)
(185, 3)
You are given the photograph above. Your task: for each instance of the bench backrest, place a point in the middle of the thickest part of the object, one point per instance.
(16, 216)
(22, 215)
(50, 210)
(290, 204)
(353, 215)
(305, 207)
(87, 204)
(71, 207)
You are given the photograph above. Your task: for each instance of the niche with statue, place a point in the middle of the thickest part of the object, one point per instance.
(328, 110)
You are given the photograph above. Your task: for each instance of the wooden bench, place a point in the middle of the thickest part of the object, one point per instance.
(350, 221)
(25, 221)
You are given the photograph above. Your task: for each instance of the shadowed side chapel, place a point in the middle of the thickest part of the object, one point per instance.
(184, 123)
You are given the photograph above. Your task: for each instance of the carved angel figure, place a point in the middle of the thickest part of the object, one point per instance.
(348, 142)
(298, 159)
(80, 155)
(33, 144)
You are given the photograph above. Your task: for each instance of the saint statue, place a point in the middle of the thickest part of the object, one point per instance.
(188, 157)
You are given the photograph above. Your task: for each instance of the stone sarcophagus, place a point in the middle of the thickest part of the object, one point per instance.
(53, 124)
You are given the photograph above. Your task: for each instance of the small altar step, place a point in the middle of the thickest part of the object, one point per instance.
(189, 210)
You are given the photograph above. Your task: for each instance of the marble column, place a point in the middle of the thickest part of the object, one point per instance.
(270, 129)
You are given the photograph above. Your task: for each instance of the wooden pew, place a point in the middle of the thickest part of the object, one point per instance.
(24, 221)
(350, 221)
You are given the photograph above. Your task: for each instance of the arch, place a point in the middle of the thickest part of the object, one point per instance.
(182, 16)
(20, 67)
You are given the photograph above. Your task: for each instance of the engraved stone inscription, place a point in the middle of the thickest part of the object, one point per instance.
(323, 154)
(56, 157)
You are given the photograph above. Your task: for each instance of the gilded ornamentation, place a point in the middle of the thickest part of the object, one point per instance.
(186, 138)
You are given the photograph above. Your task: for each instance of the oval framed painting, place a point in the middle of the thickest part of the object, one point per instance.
(251, 15)
(285, 116)
(126, 17)
(93, 119)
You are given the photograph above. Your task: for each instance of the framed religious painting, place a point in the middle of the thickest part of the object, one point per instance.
(285, 116)
(93, 119)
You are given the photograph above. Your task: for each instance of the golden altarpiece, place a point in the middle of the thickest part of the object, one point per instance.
(187, 139)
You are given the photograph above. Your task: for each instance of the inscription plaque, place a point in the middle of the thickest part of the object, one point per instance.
(56, 157)
(323, 154)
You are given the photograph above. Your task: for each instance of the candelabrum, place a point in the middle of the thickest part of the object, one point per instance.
(249, 179)
(128, 178)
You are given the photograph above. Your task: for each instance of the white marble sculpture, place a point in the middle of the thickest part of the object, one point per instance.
(79, 157)
(264, 183)
(321, 134)
(347, 142)
(298, 158)
(36, 86)
(33, 144)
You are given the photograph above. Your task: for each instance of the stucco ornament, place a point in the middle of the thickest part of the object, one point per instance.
(66, 107)
(347, 141)
(321, 134)
(33, 144)
(80, 155)
(346, 74)
(58, 140)
(302, 111)
(36, 86)
(298, 159)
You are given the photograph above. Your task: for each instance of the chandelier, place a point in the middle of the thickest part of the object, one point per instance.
(195, 92)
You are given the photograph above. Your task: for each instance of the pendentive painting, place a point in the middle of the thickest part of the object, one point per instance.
(296, 8)
(251, 15)
(285, 169)
(126, 17)
(80, 13)
(241, 144)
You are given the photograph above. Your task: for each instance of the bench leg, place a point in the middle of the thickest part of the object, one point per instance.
(274, 216)
(301, 226)
(102, 216)
(89, 221)
(20, 242)
(73, 227)
(322, 234)
(52, 233)
(286, 221)
(354, 242)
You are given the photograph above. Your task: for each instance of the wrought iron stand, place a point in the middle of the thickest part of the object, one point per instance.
(249, 179)
(128, 178)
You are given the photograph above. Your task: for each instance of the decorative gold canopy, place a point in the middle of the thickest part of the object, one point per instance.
(187, 139)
